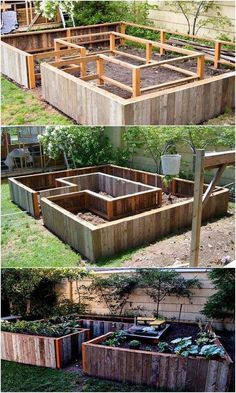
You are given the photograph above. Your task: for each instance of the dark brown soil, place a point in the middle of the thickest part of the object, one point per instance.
(90, 217)
(150, 76)
(172, 199)
(94, 219)
(175, 330)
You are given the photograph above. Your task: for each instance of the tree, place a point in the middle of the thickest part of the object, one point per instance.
(161, 283)
(200, 14)
(159, 141)
(207, 136)
(33, 292)
(114, 291)
(221, 304)
(80, 145)
(92, 12)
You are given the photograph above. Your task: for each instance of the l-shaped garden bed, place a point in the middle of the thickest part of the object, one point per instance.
(60, 209)
(148, 365)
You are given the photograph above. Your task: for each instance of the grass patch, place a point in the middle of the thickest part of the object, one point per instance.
(25, 378)
(39, 379)
(19, 106)
(26, 243)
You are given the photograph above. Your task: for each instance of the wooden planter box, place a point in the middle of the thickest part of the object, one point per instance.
(167, 371)
(42, 351)
(35, 192)
(19, 52)
(192, 103)
(100, 326)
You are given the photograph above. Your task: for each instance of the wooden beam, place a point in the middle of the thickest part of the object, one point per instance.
(217, 54)
(31, 74)
(112, 42)
(213, 160)
(136, 82)
(83, 66)
(169, 84)
(212, 184)
(100, 71)
(116, 83)
(163, 40)
(197, 207)
(118, 62)
(148, 52)
(122, 30)
(201, 66)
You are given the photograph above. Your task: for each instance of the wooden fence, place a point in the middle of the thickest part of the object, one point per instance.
(42, 351)
(167, 371)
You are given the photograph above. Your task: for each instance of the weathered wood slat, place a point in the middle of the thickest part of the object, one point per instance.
(167, 371)
(42, 351)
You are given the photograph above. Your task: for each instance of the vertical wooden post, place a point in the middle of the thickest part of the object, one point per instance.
(27, 12)
(31, 73)
(122, 30)
(201, 66)
(217, 54)
(68, 33)
(136, 81)
(148, 52)
(83, 66)
(57, 47)
(100, 70)
(163, 40)
(197, 207)
(112, 42)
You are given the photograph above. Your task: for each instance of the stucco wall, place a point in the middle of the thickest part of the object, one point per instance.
(166, 18)
(139, 300)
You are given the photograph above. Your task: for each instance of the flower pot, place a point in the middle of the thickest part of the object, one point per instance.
(170, 164)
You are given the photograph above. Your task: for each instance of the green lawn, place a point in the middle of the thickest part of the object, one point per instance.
(26, 243)
(25, 378)
(20, 106)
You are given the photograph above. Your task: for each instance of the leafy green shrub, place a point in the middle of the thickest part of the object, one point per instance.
(55, 328)
(164, 347)
(115, 339)
(211, 351)
(134, 344)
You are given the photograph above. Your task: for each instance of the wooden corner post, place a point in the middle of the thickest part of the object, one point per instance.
(112, 42)
(100, 70)
(197, 207)
(31, 73)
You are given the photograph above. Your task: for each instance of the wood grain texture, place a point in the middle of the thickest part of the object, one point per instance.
(191, 103)
(42, 351)
(167, 371)
(14, 64)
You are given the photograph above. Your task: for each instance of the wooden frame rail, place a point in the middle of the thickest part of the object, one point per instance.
(136, 89)
(215, 58)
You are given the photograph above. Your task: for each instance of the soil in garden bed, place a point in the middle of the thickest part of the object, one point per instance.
(150, 76)
(175, 330)
(94, 219)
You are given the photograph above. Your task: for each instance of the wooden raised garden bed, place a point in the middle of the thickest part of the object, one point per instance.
(21, 52)
(185, 98)
(111, 237)
(162, 370)
(42, 351)
(160, 103)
